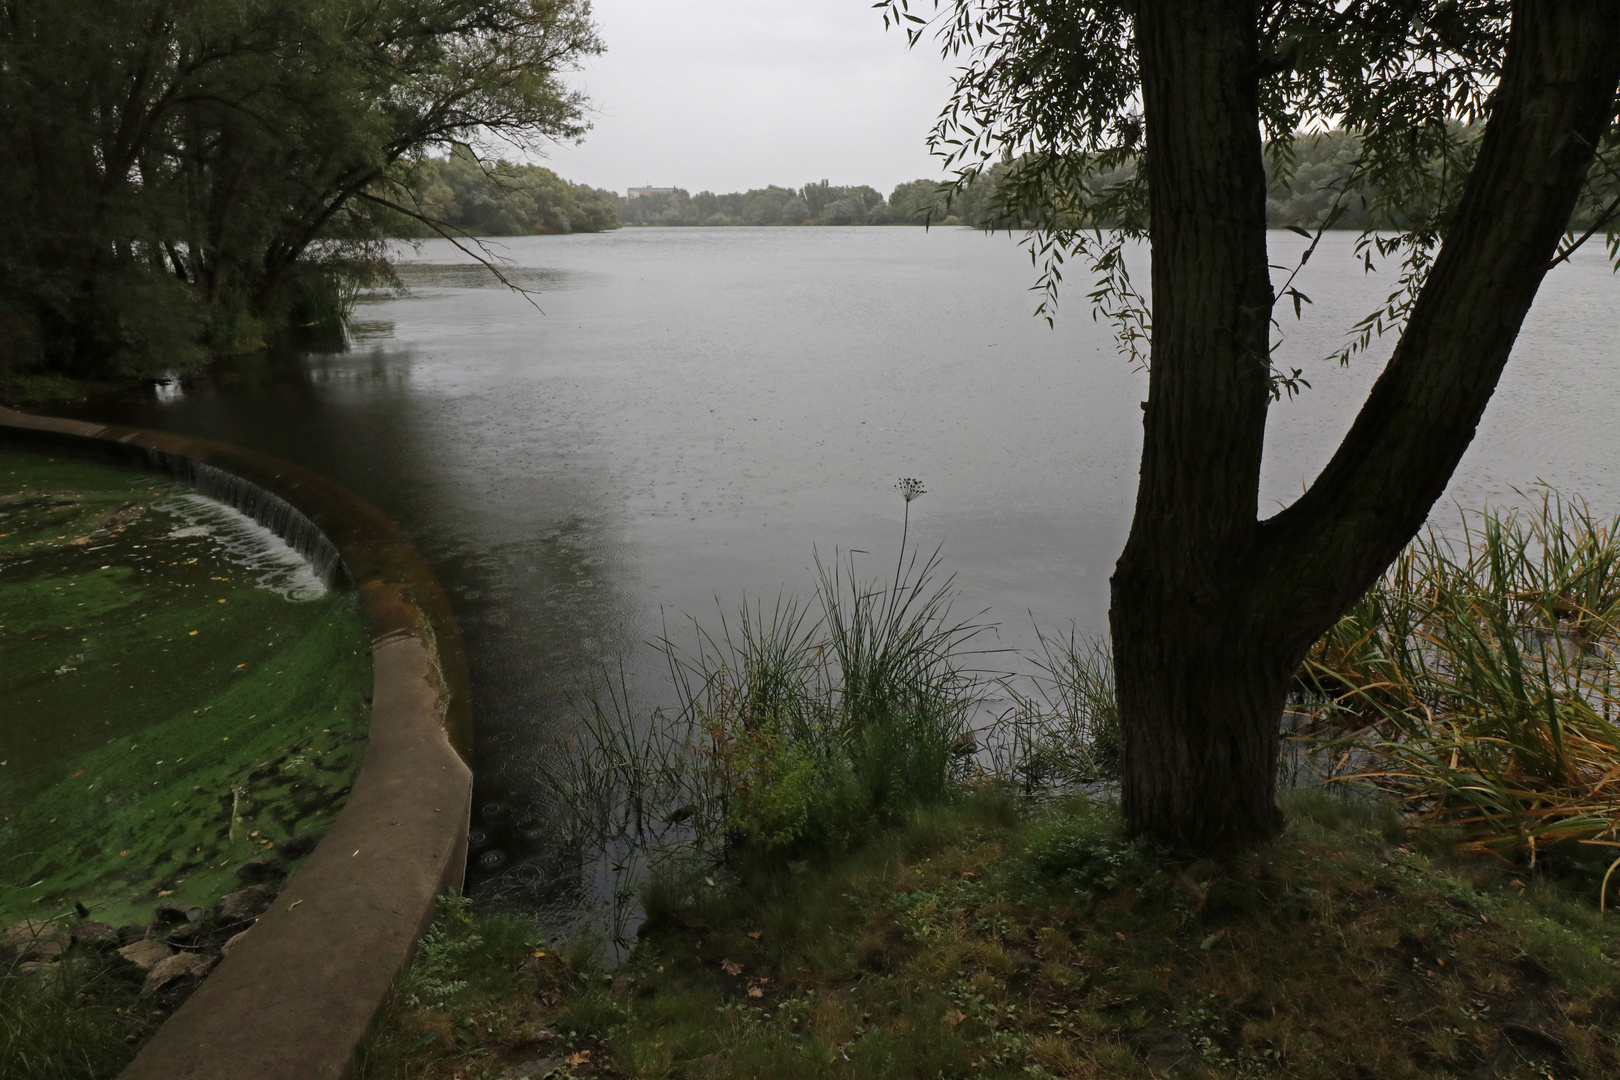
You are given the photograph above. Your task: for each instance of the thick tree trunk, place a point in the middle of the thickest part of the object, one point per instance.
(1212, 609)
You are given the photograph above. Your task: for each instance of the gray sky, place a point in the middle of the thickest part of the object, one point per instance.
(728, 95)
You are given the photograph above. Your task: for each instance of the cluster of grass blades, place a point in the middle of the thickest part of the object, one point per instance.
(792, 727)
(1063, 727)
(69, 1021)
(1477, 682)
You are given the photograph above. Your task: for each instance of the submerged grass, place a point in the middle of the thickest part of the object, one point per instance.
(976, 938)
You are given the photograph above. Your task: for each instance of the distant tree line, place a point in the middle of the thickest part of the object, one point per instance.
(1305, 197)
(819, 203)
(1307, 187)
(184, 178)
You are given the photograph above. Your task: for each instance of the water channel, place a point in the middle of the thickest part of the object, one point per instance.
(685, 416)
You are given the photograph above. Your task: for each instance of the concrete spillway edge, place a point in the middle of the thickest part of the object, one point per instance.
(299, 993)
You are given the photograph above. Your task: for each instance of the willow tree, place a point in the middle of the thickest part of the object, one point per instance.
(181, 175)
(1480, 123)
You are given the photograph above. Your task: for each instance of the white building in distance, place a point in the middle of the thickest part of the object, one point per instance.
(638, 192)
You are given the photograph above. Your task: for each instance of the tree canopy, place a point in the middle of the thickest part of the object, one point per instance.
(182, 176)
(1483, 128)
(499, 198)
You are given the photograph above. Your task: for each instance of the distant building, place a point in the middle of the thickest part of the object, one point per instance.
(638, 192)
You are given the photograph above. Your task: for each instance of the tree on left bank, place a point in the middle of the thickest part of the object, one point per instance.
(180, 178)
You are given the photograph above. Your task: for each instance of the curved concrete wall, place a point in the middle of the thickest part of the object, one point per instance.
(299, 992)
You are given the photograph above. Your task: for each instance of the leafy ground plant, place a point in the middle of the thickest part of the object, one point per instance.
(976, 938)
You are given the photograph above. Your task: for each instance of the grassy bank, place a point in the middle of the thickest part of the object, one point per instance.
(974, 939)
(846, 872)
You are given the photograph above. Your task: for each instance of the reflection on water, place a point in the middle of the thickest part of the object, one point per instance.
(686, 415)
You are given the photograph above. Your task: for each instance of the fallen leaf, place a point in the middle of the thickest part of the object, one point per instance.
(582, 1057)
(755, 934)
(955, 1017)
(970, 875)
(165, 892)
(731, 967)
(755, 992)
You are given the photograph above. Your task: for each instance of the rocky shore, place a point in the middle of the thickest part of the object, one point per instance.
(170, 955)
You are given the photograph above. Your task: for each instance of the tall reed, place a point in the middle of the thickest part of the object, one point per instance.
(1063, 727)
(790, 727)
(1477, 680)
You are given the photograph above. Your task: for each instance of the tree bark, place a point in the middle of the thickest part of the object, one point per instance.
(1212, 609)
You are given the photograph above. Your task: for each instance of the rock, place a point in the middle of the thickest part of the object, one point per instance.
(97, 935)
(40, 969)
(146, 954)
(225, 949)
(262, 869)
(299, 846)
(186, 933)
(1164, 1051)
(33, 939)
(239, 907)
(527, 1070)
(130, 933)
(178, 972)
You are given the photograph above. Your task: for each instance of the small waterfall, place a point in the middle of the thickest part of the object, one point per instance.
(265, 507)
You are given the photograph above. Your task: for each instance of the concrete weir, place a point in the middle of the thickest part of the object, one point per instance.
(299, 992)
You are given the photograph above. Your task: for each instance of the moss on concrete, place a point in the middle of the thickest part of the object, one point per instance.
(176, 701)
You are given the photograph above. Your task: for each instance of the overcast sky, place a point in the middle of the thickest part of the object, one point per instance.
(727, 95)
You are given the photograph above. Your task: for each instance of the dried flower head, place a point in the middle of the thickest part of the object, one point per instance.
(910, 488)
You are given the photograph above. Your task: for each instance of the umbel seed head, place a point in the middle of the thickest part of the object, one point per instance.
(910, 488)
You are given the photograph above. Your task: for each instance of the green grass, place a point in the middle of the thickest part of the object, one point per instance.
(794, 729)
(20, 389)
(973, 939)
(81, 1021)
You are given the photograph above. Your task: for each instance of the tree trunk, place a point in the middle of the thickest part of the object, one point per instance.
(1213, 610)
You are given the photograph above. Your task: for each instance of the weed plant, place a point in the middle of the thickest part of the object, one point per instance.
(1477, 682)
(1063, 727)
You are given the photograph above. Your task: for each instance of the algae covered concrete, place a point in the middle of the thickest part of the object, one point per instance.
(298, 994)
(181, 693)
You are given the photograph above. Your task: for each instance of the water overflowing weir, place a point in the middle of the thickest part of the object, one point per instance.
(265, 507)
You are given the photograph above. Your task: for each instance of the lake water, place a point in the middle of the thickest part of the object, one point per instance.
(691, 414)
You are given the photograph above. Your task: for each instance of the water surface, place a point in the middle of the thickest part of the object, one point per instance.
(689, 414)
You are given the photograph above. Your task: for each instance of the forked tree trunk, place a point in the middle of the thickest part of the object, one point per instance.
(1213, 609)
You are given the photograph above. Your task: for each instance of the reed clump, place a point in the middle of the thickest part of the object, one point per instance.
(1062, 730)
(1477, 682)
(793, 727)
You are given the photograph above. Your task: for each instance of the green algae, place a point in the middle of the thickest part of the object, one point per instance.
(171, 703)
